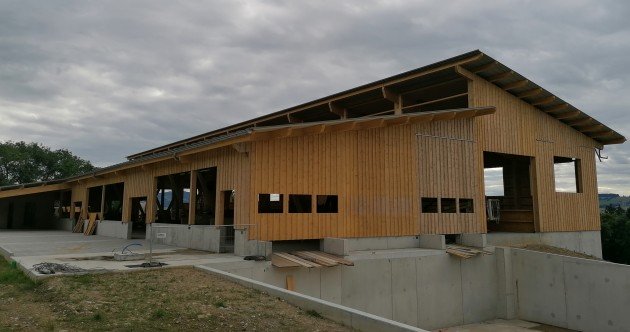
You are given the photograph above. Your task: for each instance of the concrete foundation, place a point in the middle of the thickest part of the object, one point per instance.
(117, 229)
(245, 247)
(587, 242)
(200, 237)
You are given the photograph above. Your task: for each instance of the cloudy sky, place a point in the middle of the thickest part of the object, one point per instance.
(107, 79)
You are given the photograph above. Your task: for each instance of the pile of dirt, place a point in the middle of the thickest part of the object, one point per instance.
(557, 251)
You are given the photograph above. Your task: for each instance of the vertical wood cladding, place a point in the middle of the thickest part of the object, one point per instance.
(519, 128)
(378, 174)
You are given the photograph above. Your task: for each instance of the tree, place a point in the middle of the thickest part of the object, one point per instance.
(616, 234)
(22, 162)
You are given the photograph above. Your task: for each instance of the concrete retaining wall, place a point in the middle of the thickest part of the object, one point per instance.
(573, 293)
(117, 229)
(587, 242)
(245, 247)
(427, 288)
(347, 316)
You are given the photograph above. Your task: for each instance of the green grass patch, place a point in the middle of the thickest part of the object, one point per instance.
(10, 274)
(314, 313)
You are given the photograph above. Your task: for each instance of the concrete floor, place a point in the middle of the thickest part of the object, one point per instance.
(502, 325)
(93, 253)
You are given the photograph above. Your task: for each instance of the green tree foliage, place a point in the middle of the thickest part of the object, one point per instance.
(616, 234)
(22, 162)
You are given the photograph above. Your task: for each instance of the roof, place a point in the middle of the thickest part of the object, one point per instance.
(367, 99)
(265, 133)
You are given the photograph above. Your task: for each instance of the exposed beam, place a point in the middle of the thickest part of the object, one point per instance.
(606, 133)
(567, 115)
(376, 123)
(484, 67)
(192, 198)
(464, 73)
(343, 126)
(544, 101)
(556, 108)
(581, 121)
(397, 121)
(500, 76)
(592, 128)
(394, 97)
(293, 119)
(615, 140)
(529, 93)
(515, 85)
(336, 109)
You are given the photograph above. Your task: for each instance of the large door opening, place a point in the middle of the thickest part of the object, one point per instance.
(138, 217)
(173, 198)
(206, 198)
(510, 205)
(228, 198)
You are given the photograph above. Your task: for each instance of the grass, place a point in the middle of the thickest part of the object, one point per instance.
(171, 299)
(10, 274)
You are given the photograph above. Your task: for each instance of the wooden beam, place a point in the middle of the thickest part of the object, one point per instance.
(591, 128)
(369, 124)
(606, 133)
(500, 76)
(336, 109)
(444, 116)
(192, 198)
(580, 121)
(557, 108)
(421, 118)
(543, 101)
(309, 130)
(395, 98)
(342, 126)
(293, 119)
(614, 141)
(567, 115)
(397, 121)
(529, 93)
(465, 73)
(484, 67)
(515, 85)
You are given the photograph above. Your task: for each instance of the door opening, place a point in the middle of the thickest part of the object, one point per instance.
(508, 188)
(138, 217)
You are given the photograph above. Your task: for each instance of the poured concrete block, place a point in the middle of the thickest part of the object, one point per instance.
(432, 241)
(473, 240)
(334, 246)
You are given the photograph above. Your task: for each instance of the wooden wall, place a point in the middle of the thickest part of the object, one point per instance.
(519, 128)
(232, 174)
(378, 174)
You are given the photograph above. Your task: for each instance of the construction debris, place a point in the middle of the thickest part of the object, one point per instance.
(307, 259)
(91, 224)
(53, 268)
(465, 252)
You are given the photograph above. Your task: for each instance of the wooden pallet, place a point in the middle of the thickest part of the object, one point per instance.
(464, 251)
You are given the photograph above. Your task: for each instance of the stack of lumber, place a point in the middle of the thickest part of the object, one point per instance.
(91, 224)
(308, 259)
(464, 251)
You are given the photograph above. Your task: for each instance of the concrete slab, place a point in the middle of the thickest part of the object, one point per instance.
(94, 253)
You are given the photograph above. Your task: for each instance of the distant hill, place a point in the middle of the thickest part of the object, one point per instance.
(614, 200)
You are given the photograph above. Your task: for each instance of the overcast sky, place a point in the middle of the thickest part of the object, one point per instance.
(106, 79)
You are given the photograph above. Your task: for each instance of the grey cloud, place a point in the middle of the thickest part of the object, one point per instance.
(106, 79)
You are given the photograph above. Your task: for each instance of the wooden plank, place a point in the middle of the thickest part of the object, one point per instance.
(314, 258)
(290, 283)
(297, 260)
(281, 262)
(338, 259)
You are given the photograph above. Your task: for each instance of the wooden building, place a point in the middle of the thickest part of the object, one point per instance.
(405, 155)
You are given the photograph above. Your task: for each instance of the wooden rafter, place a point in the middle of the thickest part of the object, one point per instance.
(336, 109)
(557, 108)
(484, 67)
(500, 76)
(567, 115)
(544, 101)
(529, 93)
(515, 85)
(394, 97)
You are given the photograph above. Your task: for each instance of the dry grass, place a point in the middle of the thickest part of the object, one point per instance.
(164, 300)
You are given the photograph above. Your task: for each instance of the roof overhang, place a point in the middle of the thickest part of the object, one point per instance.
(533, 94)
